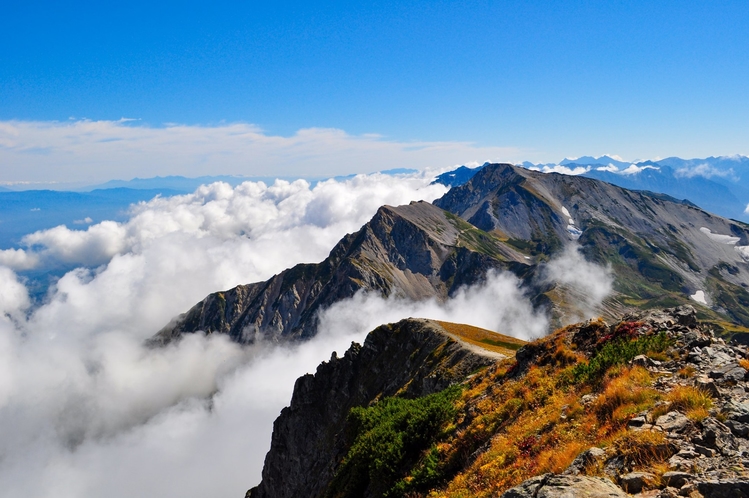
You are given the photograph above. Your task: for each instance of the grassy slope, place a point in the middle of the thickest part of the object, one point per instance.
(491, 341)
(506, 426)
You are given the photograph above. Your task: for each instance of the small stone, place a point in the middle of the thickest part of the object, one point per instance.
(714, 435)
(737, 428)
(676, 479)
(690, 491)
(673, 422)
(588, 399)
(733, 372)
(635, 481)
(676, 463)
(707, 385)
(740, 412)
(708, 452)
(668, 492)
(551, 485)
(642, 361)
(695, 339)
(637, 421)
(687, 454)
(644, 427)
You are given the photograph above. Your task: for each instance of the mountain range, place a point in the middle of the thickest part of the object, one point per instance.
(717, 184)
(661, 252)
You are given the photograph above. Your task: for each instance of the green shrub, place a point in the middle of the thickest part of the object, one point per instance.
(618, 352)
(390, 440)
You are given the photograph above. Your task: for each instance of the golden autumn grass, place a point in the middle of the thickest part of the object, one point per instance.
(511, 428)
(513, 421)
(491, 341)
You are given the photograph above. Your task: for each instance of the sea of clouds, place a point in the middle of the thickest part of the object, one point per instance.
(87, 411)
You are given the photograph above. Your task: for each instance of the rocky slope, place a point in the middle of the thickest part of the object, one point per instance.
(653, 405)
(417, 251)
(661, 252)
(412, 358)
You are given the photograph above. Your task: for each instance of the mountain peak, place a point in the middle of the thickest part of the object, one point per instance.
(590, 160)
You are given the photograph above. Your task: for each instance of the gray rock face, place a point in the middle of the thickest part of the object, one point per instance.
(645, 236)
(415, 250)
(724, 488)
(565, 486)
(411, 358)
(634, 482)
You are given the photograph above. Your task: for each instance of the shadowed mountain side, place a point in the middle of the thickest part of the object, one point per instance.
(416, 251)
(411, 359)
(661, 250)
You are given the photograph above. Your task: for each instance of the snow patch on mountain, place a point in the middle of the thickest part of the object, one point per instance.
(723, 239)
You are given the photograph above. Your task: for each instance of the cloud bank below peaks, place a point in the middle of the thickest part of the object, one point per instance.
(190, 420)
(87, 411)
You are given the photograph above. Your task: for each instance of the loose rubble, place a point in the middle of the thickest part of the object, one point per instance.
(707, 458)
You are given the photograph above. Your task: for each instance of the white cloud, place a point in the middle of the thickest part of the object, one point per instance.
(256, 226)
(18, 259)
(610, 168)
(84, 151)
(587, 283)
(86, 410)
(704, 170)
(564, 170)
(634, 169)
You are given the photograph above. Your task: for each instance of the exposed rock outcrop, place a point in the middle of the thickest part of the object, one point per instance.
(557, 486)
(411, 358)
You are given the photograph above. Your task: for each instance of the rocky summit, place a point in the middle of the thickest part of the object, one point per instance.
(653, 404)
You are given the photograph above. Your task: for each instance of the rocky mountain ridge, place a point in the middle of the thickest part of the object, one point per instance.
(653, 405)
(416, 251)
(411, 358)
(662, 252)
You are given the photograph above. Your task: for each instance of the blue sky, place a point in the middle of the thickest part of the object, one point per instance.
(544, 79)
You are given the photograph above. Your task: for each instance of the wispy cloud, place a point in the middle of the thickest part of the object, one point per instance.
(558, 168)
(704, 170)
(84, 150)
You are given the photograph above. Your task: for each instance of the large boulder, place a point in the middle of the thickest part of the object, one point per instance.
(565, 486)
